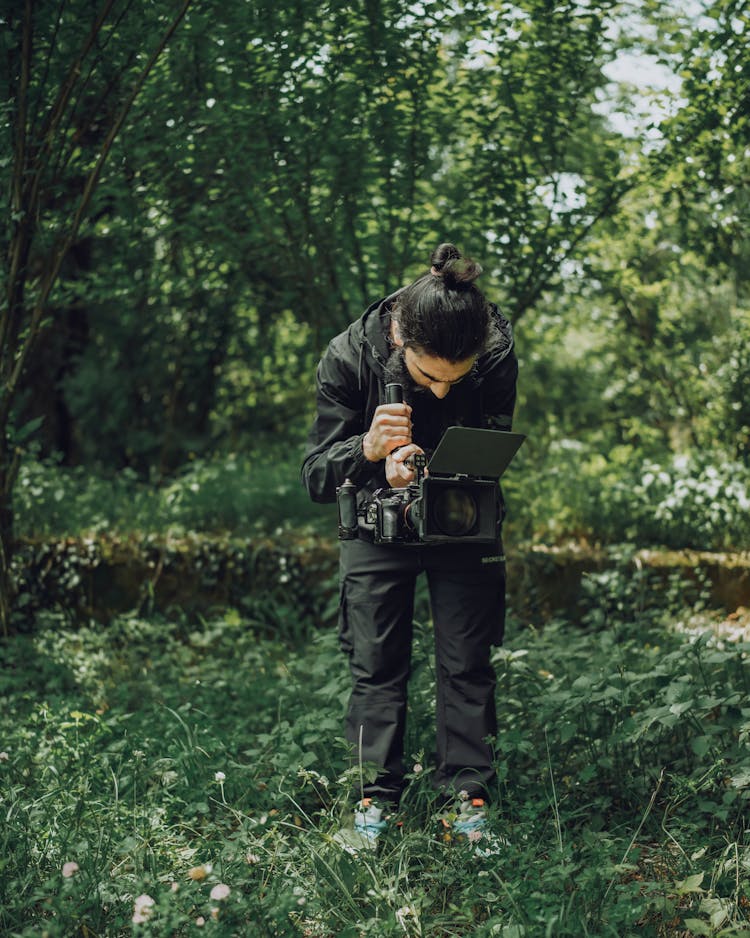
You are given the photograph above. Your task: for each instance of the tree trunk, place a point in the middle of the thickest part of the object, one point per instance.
(8, 469)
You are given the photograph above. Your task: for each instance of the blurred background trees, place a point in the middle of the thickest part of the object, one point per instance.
(285, 164)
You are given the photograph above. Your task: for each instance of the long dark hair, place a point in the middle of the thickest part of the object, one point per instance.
(443, 313)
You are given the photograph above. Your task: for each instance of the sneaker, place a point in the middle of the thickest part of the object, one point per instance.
(369, 824)
(467, 822)
(369, 821)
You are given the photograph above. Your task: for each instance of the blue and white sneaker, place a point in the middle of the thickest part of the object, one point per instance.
(369, 824)
(466, 822)
(369, 821)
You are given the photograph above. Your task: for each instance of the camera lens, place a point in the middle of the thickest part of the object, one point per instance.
(455, 512)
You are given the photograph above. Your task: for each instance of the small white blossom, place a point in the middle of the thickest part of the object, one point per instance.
(70, 869)
(220, 777)
(402, 914)
(144, 906)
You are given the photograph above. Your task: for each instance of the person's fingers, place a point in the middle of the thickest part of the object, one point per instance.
(405, 451)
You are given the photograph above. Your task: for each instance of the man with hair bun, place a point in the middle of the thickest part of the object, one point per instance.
(452, 351)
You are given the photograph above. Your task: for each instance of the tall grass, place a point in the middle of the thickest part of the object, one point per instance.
(161, 776)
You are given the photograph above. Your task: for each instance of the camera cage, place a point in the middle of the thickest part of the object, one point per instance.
(459, 495)
(456, 500)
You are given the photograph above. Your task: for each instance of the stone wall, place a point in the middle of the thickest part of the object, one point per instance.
(103, 576)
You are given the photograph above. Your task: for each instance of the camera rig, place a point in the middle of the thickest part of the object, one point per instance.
(455, 495)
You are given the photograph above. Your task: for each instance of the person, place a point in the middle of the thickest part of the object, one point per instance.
(452, 351)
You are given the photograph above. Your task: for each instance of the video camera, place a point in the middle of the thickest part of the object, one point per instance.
(458, 499)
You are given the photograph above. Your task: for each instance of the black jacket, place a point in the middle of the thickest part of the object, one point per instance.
(351, 384)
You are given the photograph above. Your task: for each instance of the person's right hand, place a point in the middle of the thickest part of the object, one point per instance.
(390, 428)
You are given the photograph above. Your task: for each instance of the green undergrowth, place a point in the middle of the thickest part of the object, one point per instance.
(166, 777)
(231, 493)
(554, 493)
(570, 489)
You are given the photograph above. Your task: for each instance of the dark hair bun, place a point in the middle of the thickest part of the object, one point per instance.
(456, 270)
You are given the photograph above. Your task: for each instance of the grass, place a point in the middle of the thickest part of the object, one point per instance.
(166, 777)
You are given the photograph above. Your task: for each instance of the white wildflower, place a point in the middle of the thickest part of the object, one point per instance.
(143, 909)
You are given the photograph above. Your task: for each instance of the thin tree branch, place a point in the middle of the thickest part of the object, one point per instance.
(20, 217)
(58, 109)
(48, 61)
(27, 175)
(527, 299)
(63, 159)
(50, 125)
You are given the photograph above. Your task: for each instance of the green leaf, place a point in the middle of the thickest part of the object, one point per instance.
(717, 910)
(700, 745)
(697, 927)
(691, 884)
(26, 430)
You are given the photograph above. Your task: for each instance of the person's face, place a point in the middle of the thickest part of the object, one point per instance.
(437, 375)
(429, 372)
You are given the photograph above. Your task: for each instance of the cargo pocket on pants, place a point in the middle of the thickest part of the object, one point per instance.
(499, 630)
(345, 632)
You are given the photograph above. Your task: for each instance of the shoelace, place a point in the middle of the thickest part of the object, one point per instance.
(471, 823)
(370, 827)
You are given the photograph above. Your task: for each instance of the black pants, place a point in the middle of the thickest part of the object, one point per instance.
(467, 595)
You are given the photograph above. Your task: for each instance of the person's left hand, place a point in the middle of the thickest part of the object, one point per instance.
(397, 473)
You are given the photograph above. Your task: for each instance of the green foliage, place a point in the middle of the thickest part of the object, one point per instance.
(660, 335)
(233, 494)
(686, 501)
(166, 758)
(568, 492)
(705, 150)
(280, 169)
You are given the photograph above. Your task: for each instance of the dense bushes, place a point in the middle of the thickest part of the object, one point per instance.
(229, 494)
(681, 502)
(569, 492)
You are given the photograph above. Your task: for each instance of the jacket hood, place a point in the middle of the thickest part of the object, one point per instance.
(369, 337)
(502, 342)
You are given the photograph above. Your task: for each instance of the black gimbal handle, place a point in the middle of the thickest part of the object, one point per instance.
(394, 393)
